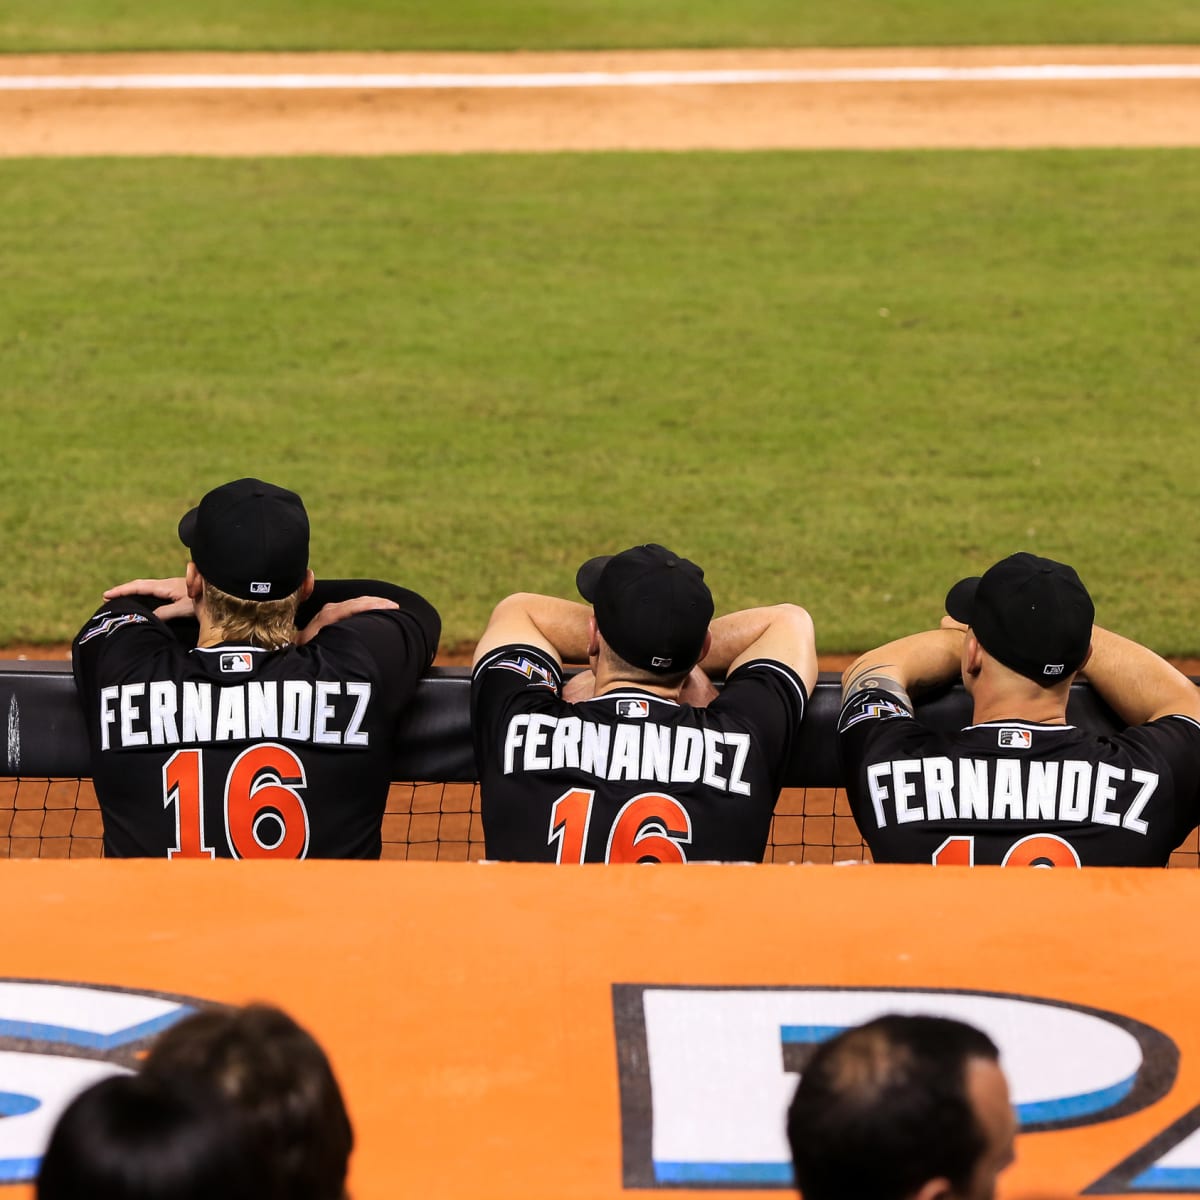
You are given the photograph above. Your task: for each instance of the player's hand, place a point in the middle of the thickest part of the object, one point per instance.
(164, 589)
(331, 614)
(581, 686)
(698, 690)
(174, 591)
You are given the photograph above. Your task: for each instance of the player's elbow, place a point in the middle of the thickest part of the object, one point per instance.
(854, 670)
(796, 620)
(1181, 699)
(519, 604)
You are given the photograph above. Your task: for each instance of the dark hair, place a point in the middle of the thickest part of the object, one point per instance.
(883, 1108)
(132, 1138)
(282, 1086)
(627, 671)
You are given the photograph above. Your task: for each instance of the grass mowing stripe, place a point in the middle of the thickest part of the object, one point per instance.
(28, 25)
(843, 379)
(555, 80)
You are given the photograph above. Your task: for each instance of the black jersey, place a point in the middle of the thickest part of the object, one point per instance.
(1017, 793)
(628, 776)
(234, 751)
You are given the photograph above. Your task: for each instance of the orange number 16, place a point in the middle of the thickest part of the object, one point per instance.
(264, 814)
(1036, 850)
(649, 828)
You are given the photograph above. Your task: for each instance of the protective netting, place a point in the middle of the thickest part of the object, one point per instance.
(58, 818)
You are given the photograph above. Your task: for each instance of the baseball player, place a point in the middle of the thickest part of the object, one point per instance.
(632, 772)
(248, 740)
(1020, 785)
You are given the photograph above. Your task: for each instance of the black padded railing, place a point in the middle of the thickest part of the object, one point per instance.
(46, 735)
(47, 807)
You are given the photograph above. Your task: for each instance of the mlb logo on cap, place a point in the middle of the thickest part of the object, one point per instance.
(249, 538)
(1031, 614)
(652, 607)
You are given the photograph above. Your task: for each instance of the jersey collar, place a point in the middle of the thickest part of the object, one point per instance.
(632, 694)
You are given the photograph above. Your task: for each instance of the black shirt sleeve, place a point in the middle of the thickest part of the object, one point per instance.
(107, 639)
(864, 719)
(1173, 742)
(769, 696)
(420, 614)
(498, 682)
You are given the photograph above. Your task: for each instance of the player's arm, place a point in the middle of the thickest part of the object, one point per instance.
(559, 628)
(339, 591)
(1136, 683)
(332, 613)
(910, 664)
(334, 600)
(781, 632)
(167, 598)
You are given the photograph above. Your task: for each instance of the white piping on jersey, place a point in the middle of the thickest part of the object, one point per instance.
(223, 648)
(1184, 717)
(1044, 728)
(786, 672)
(1052, 728)
(631, 696)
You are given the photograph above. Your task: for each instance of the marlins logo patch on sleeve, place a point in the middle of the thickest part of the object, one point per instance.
(103, 624)
(532, 671)
(872, 708)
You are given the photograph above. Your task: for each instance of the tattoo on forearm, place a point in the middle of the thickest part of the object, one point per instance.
(872, 677)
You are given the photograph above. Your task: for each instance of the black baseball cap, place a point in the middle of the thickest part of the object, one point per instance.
(652, 606)
(250, 539)
(1032, 614)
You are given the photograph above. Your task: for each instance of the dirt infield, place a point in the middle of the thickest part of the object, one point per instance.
(1045, 110)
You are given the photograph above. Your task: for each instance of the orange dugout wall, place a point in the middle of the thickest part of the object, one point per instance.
(525, 1032)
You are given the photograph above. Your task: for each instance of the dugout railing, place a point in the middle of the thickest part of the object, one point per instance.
(48, 808)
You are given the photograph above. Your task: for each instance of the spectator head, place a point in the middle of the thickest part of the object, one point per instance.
(902, 1108)
(135, 1138)
(280, 1082)
(652, 610)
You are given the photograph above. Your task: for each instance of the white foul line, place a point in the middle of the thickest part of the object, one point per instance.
(598, 79)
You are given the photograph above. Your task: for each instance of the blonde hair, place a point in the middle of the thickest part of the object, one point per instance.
(267, 623)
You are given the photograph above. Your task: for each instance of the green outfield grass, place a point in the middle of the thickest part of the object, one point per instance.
(840, 379)
(581, 24)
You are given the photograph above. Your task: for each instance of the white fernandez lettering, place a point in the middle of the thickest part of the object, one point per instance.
(514, 738)
(355, 734)
(108, 716)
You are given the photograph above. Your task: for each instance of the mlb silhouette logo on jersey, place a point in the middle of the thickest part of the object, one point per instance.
(236, 663)
(633, 708)
(1020, 738)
